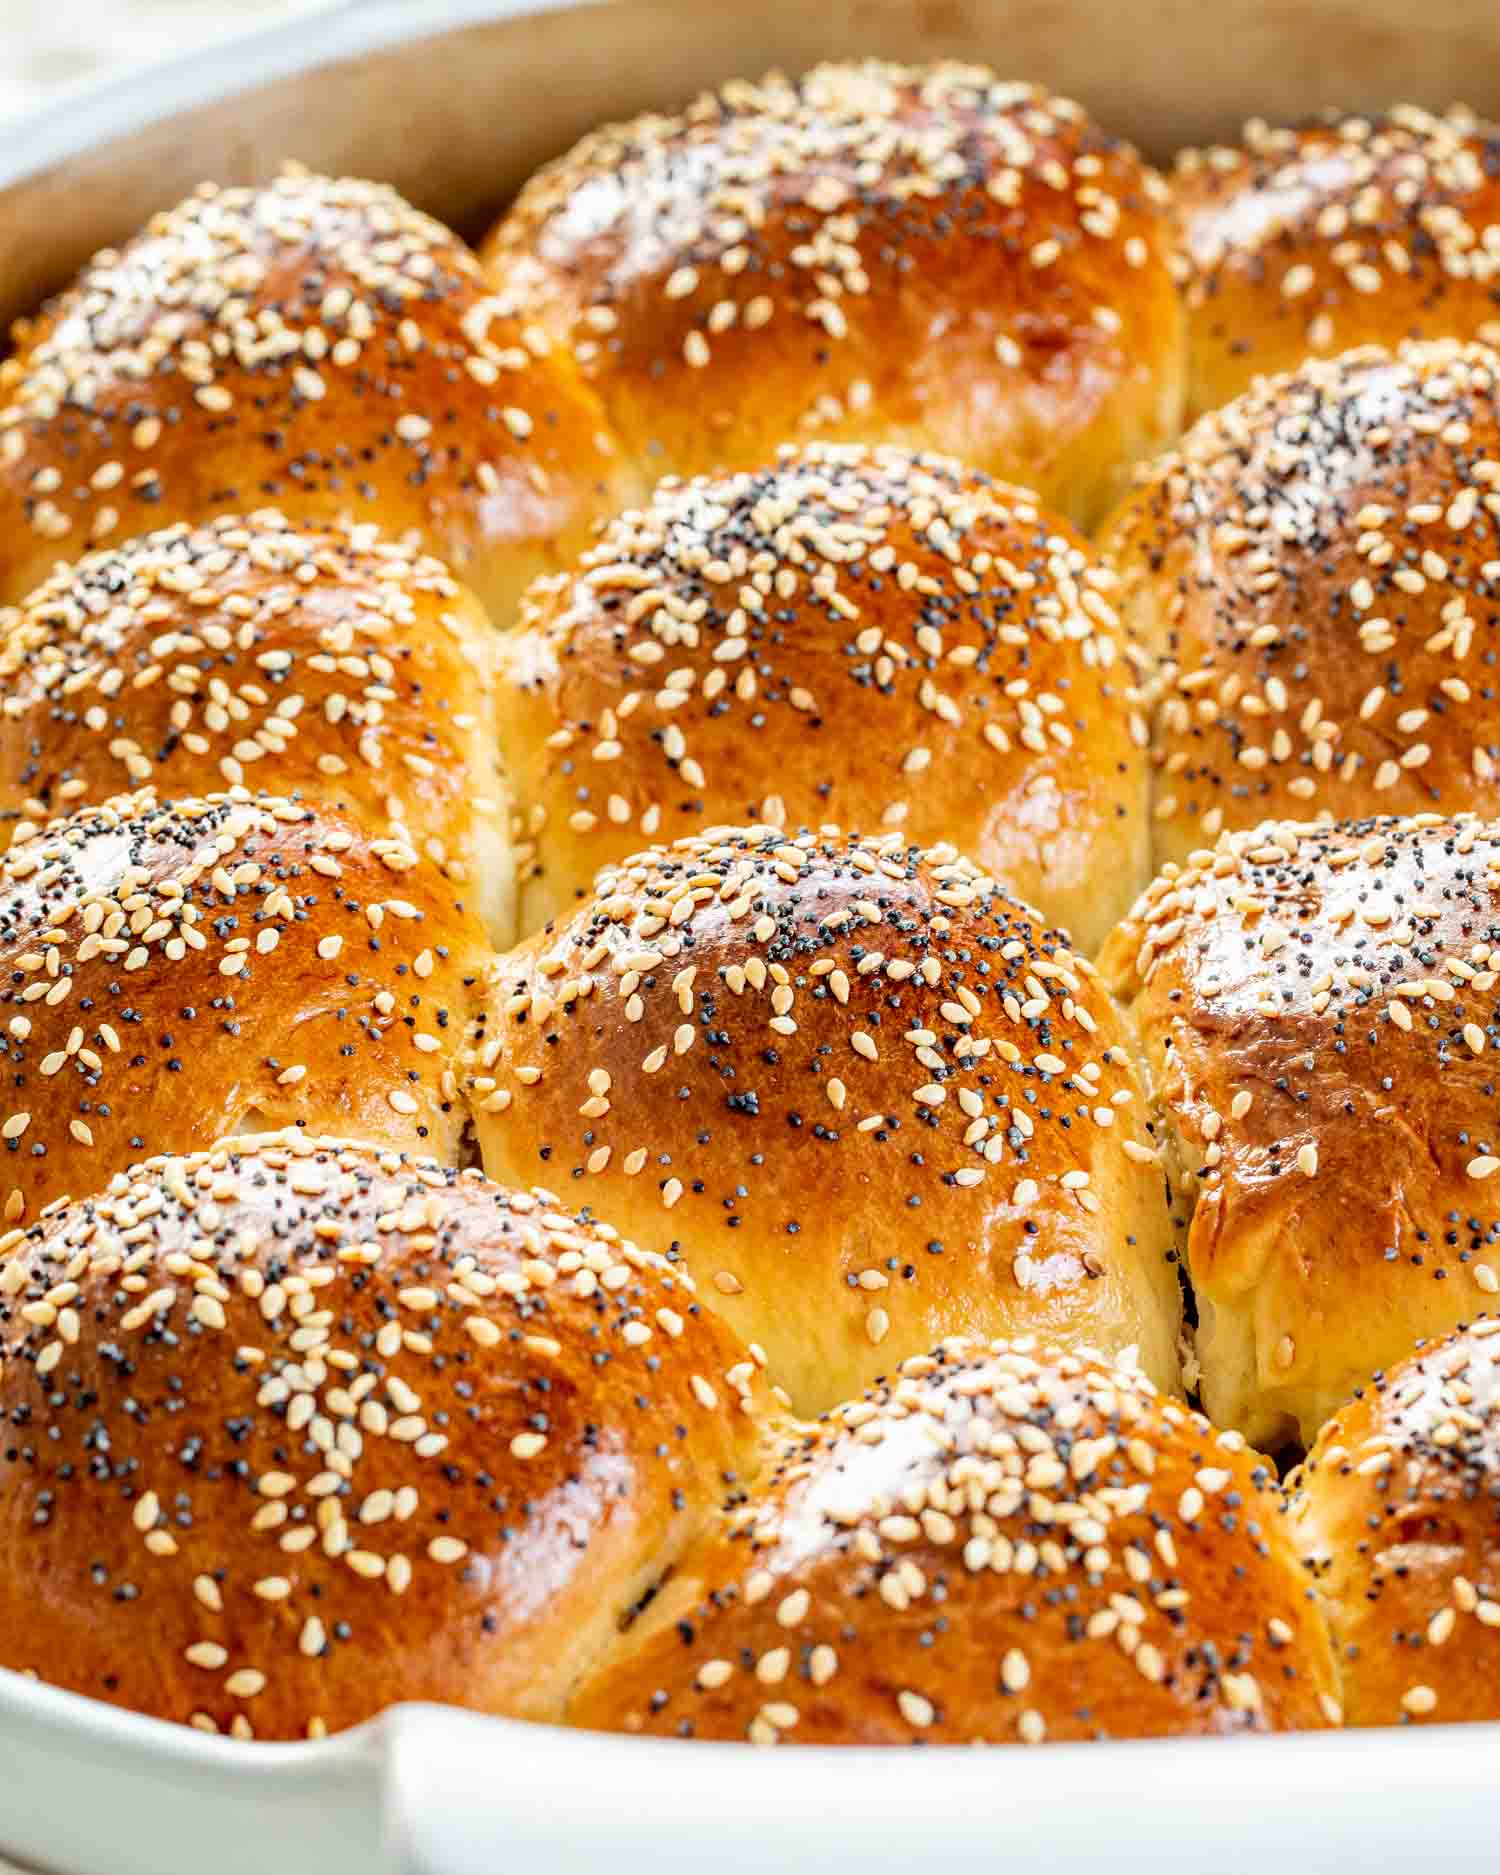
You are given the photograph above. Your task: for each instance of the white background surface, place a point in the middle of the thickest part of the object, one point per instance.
(45, 44)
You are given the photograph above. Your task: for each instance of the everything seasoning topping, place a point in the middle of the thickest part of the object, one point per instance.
(791, 228)
(298, 1424)
(278, 960)
(1319, 562)
(742, 1035)
(859, 635)
(1004, 1544)
(187, 373)
(302, 1395)
(1335, 218)
(1319, 1005)
(1395, 1510)
(242, 651)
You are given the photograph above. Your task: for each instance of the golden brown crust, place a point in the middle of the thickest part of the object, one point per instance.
(316, 345)
(298, 1429)
(1318, 1010)
(1396, 1511)
(332, 665)
(856, 636)
(871, 1100)
(1318, 567)
(1302, 242)
(172, 973)
(1007, 1544)
(927, 255)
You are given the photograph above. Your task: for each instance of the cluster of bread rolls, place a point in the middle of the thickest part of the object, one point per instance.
(606, 1120)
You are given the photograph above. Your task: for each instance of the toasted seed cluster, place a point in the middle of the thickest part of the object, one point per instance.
(1002, 1545)
(785, 756)
(297, 1428)
(251, 653)
(870, 1099)
(777, 259)
(173, 972)
(1300, 242)
(1395, 1509)
(316, 344)
(1319, 565)
(1319, 1011)
(856, 635)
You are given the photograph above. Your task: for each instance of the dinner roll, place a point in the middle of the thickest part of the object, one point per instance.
(298, 1429)
(174, 972)
(1318, 1009)
(1319, 566)
(1396, 1510)
(924, 254)
(1001, 1545)
(937, 652)
(329, 664)
(315, 344)
(1306, 241)
(868, 1098)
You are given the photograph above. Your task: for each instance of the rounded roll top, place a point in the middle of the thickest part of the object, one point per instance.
(1302, 241)
(869, 1098)
(1317, 568)
(332, 664)
(1395, 1512)
(1003, 1545)
(318, 345)
(303, 1428)
(1318, 1011)
(856, 636)
(926, 255)
(174, 972)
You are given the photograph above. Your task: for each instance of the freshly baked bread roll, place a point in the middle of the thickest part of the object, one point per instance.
(859, 636)
(317, 345)
(175, 972)
(299, 1429)
(925, 255)
(1304, 241)
(1318, 565)
(867, 1097)
(1395, 1510)
(1002, 1545)
(1319, 1014)
(333, 665)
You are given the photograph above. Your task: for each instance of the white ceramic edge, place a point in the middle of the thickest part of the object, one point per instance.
(1305, 1804)
(434, 1791)
(86, 1786)
(94, 112)
(429, 1790)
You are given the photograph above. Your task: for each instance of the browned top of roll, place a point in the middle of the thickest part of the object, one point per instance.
(1002, 1545)
(301, 1429)
(871, 1099)
(1306, 240)
(333, 664)
(928, 254)
(1319, 1009)
(174, 972)
(1395, 1508)
(1319, 564)
(856, 636)
(316, 344)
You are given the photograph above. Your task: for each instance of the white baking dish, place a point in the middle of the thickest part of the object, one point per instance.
(454, 101)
